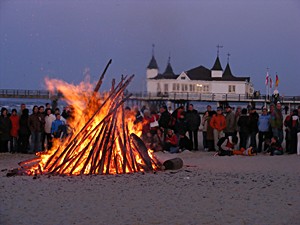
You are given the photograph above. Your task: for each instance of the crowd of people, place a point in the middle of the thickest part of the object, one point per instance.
(33, 132)
(224, 129)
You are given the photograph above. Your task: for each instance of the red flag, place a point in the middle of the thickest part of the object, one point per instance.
(277, 81)
(267, 79)
(270, 82)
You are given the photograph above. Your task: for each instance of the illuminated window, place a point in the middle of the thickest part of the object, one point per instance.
(199, 87)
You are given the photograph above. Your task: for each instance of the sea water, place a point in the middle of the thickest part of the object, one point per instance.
(11, 103)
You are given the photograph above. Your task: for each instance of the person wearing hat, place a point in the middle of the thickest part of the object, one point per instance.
(230, 122)
(218, 124)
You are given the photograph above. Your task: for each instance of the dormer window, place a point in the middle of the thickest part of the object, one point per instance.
(182, 78)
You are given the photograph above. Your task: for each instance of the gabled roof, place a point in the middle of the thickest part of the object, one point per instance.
(199, 73)
(217, 65)
(152, 64)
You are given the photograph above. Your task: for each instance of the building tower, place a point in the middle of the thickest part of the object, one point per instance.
(152, 68)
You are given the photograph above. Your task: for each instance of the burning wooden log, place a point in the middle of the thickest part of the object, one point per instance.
(106, 143)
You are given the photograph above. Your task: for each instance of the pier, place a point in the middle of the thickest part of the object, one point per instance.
(177, 97)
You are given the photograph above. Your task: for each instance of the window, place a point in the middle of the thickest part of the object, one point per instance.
(231, 88)
(182, 78)
(205, 88)
(199, 87)
(184, 87)
(174, 87)
(158, 87)
(166, 88)
(192, 87)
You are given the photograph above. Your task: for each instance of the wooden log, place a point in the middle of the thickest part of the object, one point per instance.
(173, 164)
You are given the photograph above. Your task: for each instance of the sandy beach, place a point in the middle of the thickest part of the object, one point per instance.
(207, 190)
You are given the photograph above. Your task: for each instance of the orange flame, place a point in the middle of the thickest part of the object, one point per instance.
(100, 140)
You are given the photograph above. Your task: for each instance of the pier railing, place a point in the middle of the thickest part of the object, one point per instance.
(34, 94)
(173, 96)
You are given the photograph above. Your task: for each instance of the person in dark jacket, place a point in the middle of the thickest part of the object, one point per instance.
(193, 122)
(35, 126)
(244, 124)
(253, 117)
(164, 119)
(24, 132)
(184, 141)
(5, 127)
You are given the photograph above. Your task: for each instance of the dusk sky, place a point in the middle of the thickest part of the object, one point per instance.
(63, 38)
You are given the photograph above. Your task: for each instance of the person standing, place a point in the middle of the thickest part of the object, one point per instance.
(230, 122)
(24, 131)
(218, 124)
(193, 120)
(205, 119)
(164, 119)
(263, 130)
(293, 125)
(43, 134)
(5, 127)
(237, 115)
(244, 124)
(58, 127)
(276, 121)
(22, 107)
(253, 117)
(35, 125)
(14, 132)
(49, 118)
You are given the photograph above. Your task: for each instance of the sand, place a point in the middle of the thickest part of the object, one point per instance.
(207, 190)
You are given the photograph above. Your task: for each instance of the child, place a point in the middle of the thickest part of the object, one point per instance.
(226, 145)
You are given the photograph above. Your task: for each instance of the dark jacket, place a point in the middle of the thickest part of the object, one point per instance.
(5, 127)
(193, 120)
(253, 117)
(244, 124)
(34, 122)
(164, 119)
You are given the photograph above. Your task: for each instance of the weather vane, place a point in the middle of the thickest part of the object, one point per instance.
(228, 55)
(218, 47)
(153, 45)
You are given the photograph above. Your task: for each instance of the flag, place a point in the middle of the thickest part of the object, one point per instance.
(276, 81)
(270, 82)
(267, 79)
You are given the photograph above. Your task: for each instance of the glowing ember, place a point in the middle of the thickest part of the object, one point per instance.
(104, 139)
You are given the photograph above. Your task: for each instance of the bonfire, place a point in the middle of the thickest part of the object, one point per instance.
(104, 138)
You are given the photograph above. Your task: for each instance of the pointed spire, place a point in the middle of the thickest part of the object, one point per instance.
(217, 65)
(152, 63)
(227, 71)
(169, 69)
